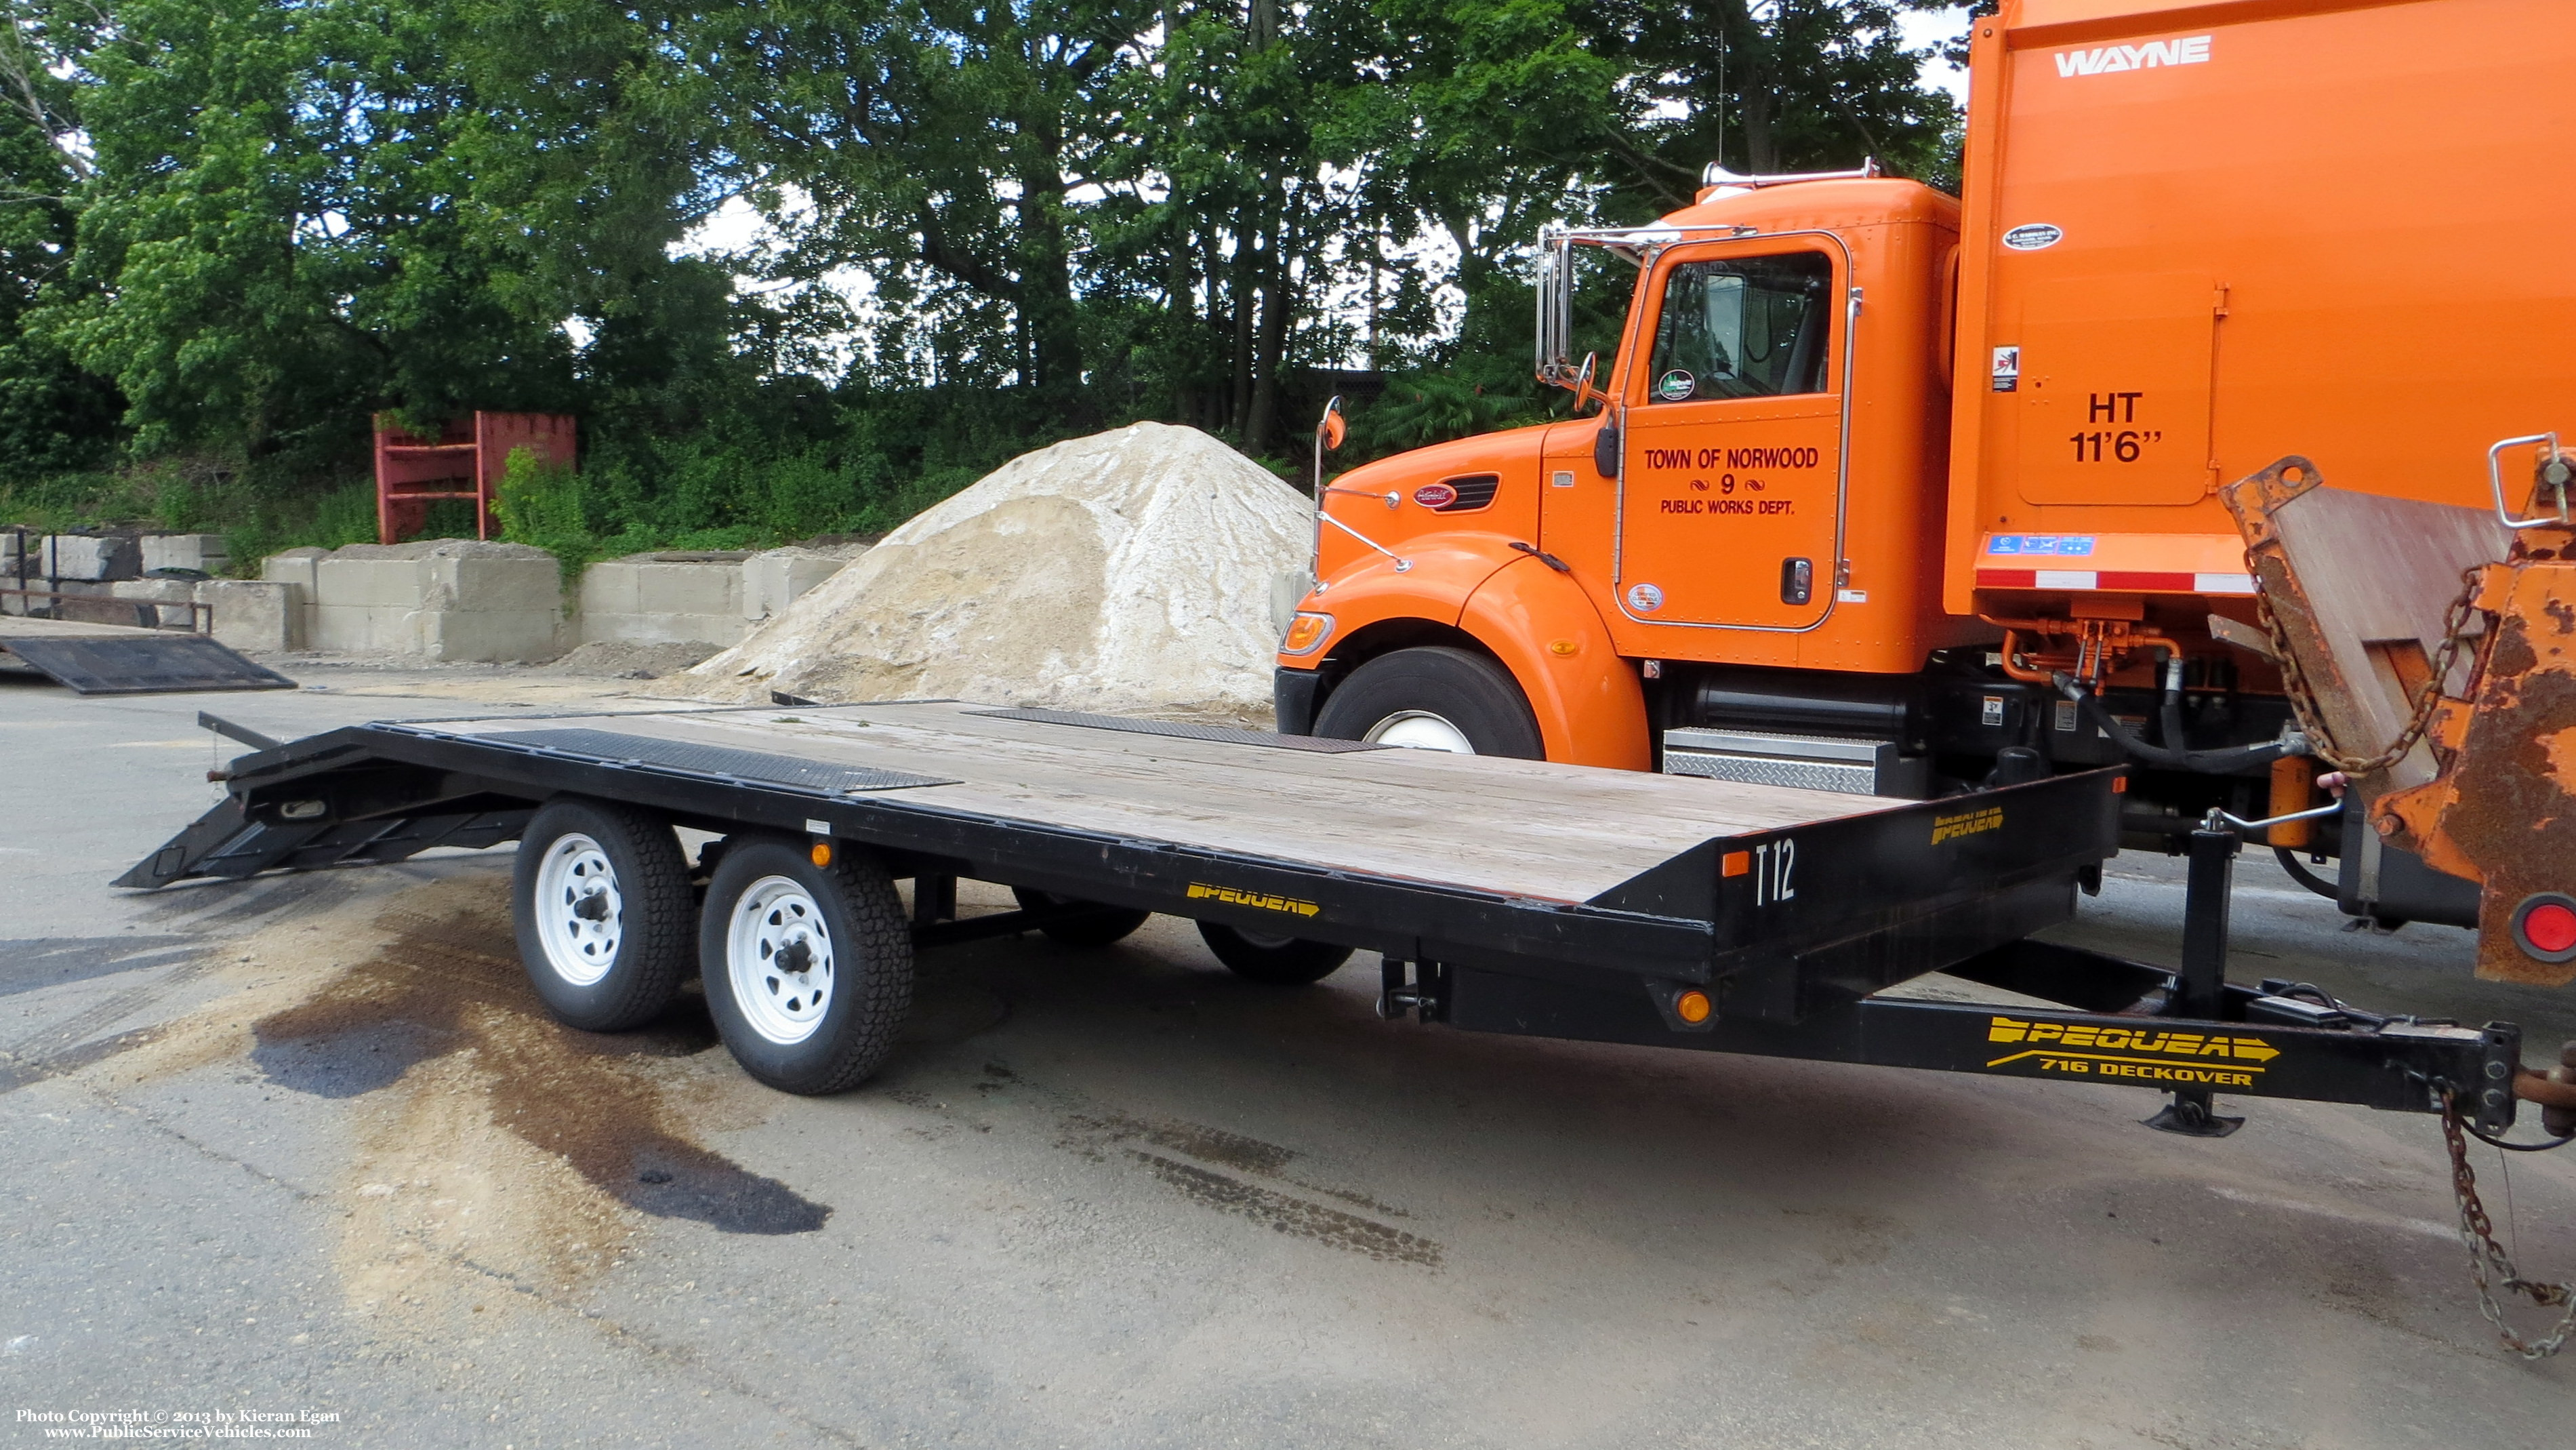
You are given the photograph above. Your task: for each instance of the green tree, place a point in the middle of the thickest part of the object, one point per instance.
(942, 146)
(1769, 86)
(304, 213)
(53, 415)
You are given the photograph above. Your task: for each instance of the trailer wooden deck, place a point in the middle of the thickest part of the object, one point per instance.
(1511, 827)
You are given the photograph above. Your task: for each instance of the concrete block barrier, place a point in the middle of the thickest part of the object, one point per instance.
(463, 600)
(158, 603)
(90, 558)
(772, 580)
(664, 598)
(205, 553)
(454, 600)
(87, 601)
(254, 615)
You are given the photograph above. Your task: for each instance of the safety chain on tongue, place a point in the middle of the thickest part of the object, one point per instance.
(2488, 1261)
(2428, 695)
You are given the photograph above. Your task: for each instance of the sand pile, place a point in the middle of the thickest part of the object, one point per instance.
(1127, 570)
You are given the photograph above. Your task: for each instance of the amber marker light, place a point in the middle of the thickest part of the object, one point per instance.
(1562, 646)
(1692, 1006)
(1735, 863)
(1306, 634)
(822, 853)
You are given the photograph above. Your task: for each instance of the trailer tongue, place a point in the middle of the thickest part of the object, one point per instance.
(1501, 895)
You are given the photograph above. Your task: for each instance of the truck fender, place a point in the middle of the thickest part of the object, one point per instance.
(1546, 630)
(1442, 572)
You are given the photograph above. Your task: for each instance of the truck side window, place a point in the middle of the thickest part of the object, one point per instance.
(1746, 327)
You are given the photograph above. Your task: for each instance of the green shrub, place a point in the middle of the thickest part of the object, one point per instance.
(546, 504)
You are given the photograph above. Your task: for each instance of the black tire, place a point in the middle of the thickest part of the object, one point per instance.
(1476, 696)
(1281, 961)
(1106, 924)
(607, 951)
(865, 955)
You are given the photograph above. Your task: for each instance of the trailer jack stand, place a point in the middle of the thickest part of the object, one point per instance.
(2189, 1115)
(2200, 988)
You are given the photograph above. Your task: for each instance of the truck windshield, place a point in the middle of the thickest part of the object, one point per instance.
(1745, 327)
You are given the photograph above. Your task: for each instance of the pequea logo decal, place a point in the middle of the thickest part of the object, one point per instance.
(2032, 237)
(2191, 50)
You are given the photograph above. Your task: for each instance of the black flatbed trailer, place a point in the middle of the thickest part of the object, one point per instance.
(1500, 895)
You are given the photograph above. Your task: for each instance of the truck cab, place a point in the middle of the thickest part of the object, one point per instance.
(1749, 512)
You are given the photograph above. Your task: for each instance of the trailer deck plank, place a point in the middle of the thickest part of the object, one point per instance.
(1517, 827)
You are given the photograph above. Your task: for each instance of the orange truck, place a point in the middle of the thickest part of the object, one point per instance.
(1892, 492)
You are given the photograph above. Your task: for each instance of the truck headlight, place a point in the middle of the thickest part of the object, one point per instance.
(1306, 634)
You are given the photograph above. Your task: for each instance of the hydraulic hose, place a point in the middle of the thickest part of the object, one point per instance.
(2300, 873)
(2199, 762)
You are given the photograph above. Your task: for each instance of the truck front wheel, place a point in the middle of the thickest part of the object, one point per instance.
(1434, 697)
(808, 967)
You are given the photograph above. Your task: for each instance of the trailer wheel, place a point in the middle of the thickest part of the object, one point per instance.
(1106, 924)
(1281, 961)
(601, 904)
(808, 968)
(1434, 698)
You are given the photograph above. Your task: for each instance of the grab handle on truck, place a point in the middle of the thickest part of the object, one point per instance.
(2554, 474)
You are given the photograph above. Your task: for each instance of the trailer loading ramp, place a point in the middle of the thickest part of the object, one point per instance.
(108, 659)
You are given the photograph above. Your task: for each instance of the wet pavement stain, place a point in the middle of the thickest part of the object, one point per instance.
(446, 984)
(1329, 1226)
(1214, 1145)
(34, 964)
(16, 1073)
(1092, 1134)
(66, 1047)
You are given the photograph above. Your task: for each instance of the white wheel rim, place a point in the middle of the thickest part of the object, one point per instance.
(580, 915)
(778, 956)
(1419, 730)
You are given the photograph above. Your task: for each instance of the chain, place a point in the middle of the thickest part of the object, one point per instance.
(2489, 1263)
(2428, 696)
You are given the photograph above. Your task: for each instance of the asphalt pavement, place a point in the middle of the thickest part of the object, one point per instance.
(304, 1148)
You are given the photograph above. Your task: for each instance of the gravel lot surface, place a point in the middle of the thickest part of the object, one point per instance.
(305, 1146)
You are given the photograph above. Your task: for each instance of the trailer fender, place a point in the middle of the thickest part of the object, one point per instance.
(1545, 629)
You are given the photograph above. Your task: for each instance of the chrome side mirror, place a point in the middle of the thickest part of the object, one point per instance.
(1555, 309)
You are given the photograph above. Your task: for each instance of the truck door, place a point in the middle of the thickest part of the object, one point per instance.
(1731, 466)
